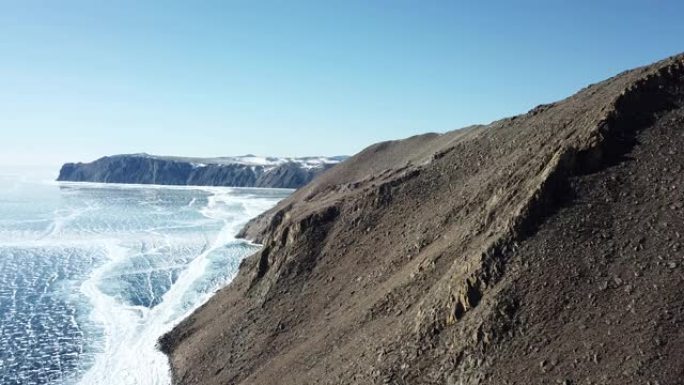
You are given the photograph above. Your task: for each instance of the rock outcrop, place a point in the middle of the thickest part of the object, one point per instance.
(546, 248)
(244, 171)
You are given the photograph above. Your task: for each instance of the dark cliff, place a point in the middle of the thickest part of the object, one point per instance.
(541, 249)
(235, 172)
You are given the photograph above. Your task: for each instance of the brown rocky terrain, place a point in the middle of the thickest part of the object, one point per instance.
(547, 248)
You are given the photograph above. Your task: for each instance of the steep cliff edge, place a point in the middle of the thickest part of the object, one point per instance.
(240, 171)
(544, 248)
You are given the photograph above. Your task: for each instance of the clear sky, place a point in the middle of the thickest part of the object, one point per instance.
(81, 79)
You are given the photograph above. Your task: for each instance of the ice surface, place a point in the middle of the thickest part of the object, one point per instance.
(91, 275)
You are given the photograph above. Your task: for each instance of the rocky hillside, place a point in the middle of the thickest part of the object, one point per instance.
(241, 171)
(546, 248)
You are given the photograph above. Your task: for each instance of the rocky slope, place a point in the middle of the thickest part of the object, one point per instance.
(242, 171)
(541, 249)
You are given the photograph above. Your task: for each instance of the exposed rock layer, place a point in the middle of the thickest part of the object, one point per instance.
(150, 169)
(544, 248)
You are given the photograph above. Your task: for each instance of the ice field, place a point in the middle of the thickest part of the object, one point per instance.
(91, 274)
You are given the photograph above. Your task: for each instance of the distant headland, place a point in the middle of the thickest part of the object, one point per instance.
(237, 171)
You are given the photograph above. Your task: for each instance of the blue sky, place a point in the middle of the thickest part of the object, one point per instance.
(81, 79)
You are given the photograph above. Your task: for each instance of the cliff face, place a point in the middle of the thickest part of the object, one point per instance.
(544, 248)
(235, 172)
